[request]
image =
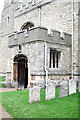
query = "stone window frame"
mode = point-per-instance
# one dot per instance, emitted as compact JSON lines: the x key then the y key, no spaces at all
{"x":60,"y":54}
{"x":26,"y":27}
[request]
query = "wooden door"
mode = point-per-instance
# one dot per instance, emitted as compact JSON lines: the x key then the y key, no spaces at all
{"x":26,"y":75}
{"x":15,"y":72}
{"x":21,"y":73}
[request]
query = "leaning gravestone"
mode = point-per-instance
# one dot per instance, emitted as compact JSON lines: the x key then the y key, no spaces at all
{"x":72,"y":87}
{"x":50,"y":91}
{"x":78,"y":86}
{"x":63,"y":89}
{"x":34,"y":94}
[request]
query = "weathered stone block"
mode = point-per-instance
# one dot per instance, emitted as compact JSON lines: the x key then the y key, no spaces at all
{"x":78,"y":86}
{"x":72,"y":87}
{"x":14,"y":84}
{"x":34,"y":94}
{"x":50,"y":91}
{"x":63,"y":89}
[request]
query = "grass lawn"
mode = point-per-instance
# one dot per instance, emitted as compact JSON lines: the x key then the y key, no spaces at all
{"x":2,"y":79}
{"x":16,"y":103}
{"x":2,"y":85}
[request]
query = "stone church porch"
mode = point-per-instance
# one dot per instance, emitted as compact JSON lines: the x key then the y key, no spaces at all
{"x":29,"y":50}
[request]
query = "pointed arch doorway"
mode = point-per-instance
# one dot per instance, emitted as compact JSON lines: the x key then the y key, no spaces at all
{"x":20,"y":70}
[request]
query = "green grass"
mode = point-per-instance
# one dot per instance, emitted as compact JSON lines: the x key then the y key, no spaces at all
{"x":2,"y":85}
{"x":16,"y":103}
{"x":2,"y":79}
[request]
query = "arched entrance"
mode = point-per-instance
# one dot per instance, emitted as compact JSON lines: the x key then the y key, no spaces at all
{"x":20,"y":70}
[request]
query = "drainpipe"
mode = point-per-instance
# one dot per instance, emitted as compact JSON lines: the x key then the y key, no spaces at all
{"x":15,"y":25}
{"x":39,"y":15}
{"x":45,"y":64}
{"x":72,"y":39}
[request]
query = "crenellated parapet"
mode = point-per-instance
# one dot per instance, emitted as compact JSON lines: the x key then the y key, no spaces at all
{"x":39,"y":34}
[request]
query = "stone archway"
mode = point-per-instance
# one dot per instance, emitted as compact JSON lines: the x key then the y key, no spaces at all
{"x":20,"y":70}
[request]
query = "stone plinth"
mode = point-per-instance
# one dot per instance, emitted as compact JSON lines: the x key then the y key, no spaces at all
{"x":63,"y":89}
{"x":72,"y":87}
{"x":50,"y":91}
{"x":34,"y":94}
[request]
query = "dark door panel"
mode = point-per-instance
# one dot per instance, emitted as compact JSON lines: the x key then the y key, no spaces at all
{"x":15,"y":72}
{"x":22,"y":74}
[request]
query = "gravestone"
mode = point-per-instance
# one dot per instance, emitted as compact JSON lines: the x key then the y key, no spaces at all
{"x":34,"y":94}
{"x":72,"y":87}
{"x":63,"y":89}
{"x":33,"y":83}
{"x":50,"y":91}
{"x":78,"y":86}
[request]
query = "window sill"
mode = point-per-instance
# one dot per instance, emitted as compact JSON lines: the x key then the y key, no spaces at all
{"x":54,"y":69}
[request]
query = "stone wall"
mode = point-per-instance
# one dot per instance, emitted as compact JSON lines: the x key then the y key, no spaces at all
{"x":60,"y":14}
{"x":52,"y":15}
{"x":7,"y":27}
{"x":76,"y":42}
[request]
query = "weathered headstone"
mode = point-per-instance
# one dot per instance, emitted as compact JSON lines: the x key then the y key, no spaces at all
{"x":72,"y":87}
{"x":50,"y":91}
{"x":34,"y":94}
{"x":33,"y":83}
{"x":63,"y":89}
{"x":78,"y":86}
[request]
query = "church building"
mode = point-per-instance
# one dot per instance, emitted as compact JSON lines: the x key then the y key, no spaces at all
{"x":36,"y":42}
